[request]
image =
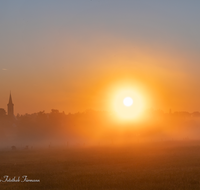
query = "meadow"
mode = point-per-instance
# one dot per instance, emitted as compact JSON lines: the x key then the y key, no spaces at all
{"x":141,"y":166}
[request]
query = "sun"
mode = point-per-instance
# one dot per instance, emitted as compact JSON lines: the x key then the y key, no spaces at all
{"x":128,"y":101}
{"x":128,"y":104}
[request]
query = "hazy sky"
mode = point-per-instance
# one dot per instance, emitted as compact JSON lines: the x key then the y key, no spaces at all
{"x":68,"y":54}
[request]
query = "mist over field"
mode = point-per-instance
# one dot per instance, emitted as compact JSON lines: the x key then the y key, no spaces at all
{"x":94,"y":128}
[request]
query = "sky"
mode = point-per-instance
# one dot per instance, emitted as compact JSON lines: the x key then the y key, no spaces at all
{"x":69,"y":55}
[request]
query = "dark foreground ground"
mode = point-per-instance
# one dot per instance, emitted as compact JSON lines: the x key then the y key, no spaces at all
{"x":155,"y":166}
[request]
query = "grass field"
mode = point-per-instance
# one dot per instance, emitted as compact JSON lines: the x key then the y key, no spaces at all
{"x":164,"y":166}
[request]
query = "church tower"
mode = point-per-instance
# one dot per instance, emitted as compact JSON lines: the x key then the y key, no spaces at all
{"x":10,"y":107}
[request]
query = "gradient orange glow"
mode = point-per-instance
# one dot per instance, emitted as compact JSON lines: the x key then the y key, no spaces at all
{"x":69,"y":68}
{"x":134,"y":111}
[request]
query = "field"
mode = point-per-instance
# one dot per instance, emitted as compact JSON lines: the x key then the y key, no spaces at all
{"x":165,"y":166}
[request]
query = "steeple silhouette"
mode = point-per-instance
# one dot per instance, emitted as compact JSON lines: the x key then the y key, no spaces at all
{"x":10,"y":107}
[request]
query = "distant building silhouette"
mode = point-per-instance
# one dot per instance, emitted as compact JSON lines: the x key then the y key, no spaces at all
{"x":10,"y":108}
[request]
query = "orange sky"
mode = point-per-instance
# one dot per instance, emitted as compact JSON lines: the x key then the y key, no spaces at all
{"x":89,"y":87}
{"x":72,"y":62}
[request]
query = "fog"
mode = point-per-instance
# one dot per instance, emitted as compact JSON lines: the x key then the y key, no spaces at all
{"x":93,"y":128}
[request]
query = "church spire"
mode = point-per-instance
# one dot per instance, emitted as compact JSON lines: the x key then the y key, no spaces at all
{"x":10,"y":99}
{"x":10,"y":107}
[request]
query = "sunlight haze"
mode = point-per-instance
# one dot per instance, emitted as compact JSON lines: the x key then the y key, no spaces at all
{"x":67,"y":54}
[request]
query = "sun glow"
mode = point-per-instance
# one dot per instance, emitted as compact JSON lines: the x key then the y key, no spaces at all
{"x":128,"y":101}
{"x":128,"y":104}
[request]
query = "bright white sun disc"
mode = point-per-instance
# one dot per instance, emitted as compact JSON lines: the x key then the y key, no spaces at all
{"x":128,"y":101}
